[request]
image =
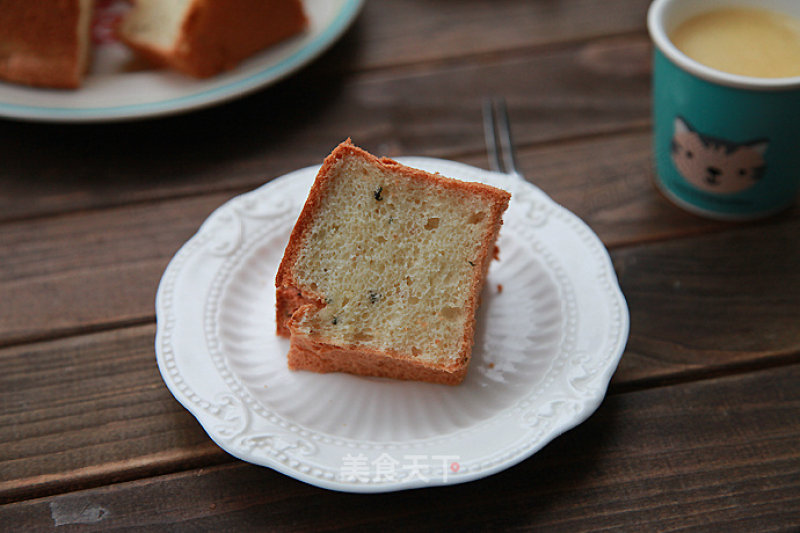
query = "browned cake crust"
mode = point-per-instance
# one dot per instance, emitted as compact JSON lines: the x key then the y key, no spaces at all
{"x":308,"y":354}
{"x":39,"y":43}
{"x":293,"y":301}
{"x":218,"y":34}
{"x":288,"y":300}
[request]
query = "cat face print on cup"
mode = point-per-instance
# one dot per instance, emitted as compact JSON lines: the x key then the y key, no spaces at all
{"x":716,"y":165}
{"x":725,"y":145}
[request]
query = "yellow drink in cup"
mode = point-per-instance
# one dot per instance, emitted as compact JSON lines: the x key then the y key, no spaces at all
{"x":746,"y":41}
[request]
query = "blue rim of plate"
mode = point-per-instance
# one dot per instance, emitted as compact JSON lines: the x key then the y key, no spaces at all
{"x":212,"y":96}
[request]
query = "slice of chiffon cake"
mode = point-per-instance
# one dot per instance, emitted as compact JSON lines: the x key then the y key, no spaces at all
{"x":384,"y":268}
{"x":202,"y":38}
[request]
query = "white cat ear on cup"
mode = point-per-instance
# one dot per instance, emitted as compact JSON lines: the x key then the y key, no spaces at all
{"x":681,"y":126}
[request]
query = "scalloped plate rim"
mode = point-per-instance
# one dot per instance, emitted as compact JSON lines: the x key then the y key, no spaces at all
{"x":589,"y":407}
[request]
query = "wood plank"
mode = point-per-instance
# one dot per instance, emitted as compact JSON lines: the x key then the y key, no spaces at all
{"x":111,"y":260}
{"x":701,"y":305}
{"x":583,"y":89}
{"x":91,"y":270}
{"x":389,"y":33}
{"x":85,"y":411}
{"x":719,"y":454}
{"x":686,"y":323}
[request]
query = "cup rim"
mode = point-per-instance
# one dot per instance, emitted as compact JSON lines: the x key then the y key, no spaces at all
{"x":655,"y":26}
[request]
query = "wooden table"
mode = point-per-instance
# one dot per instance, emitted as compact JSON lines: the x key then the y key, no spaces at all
{"x":701,"y":425}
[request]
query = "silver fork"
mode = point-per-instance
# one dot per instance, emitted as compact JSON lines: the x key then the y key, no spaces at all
{"x":497,"y":131}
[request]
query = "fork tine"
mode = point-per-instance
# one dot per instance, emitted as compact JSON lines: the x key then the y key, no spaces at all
{"x":497,"y":132}
{"x":504,"y":132}
{"x":490,"y":135}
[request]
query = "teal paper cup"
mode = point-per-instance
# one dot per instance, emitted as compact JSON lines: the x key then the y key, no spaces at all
{"x":726,"y":146}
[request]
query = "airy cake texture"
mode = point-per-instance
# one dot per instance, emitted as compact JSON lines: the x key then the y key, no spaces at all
{"x":45,"y":43}
{"x":204,"y":37}
{"x":383,"y":270}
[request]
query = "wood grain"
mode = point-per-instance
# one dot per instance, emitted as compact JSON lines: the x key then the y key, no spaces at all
{"x":687,"y":323}
{"x":699,"y":305}
{"x":83,"y":411}
{"x":577,"y":90}
{"x":410,"y":32}
{"x":90,"y":271}
{"x":722,"y":453}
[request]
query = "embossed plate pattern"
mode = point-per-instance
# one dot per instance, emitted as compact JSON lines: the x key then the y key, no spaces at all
{"x":551,"y":328}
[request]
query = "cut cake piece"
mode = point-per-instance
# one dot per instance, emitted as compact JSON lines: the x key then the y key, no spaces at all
{"x":384,"y":267}
{"x":45,"y":44}
{"x":204,"y":37}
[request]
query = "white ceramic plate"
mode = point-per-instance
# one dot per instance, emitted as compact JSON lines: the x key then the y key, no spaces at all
{"x":113,"y":92}
{"x":551,"y":328}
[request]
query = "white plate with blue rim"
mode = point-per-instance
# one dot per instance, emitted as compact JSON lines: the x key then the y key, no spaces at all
{"x":551,"y":328}
{"x":114,"y":91}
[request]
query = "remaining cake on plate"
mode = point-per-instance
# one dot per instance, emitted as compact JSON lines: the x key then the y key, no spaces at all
{"x":204,"y":37}
{"x":48,"y":44}
{"x":384,"y":267}
{"x":45,"y":44}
